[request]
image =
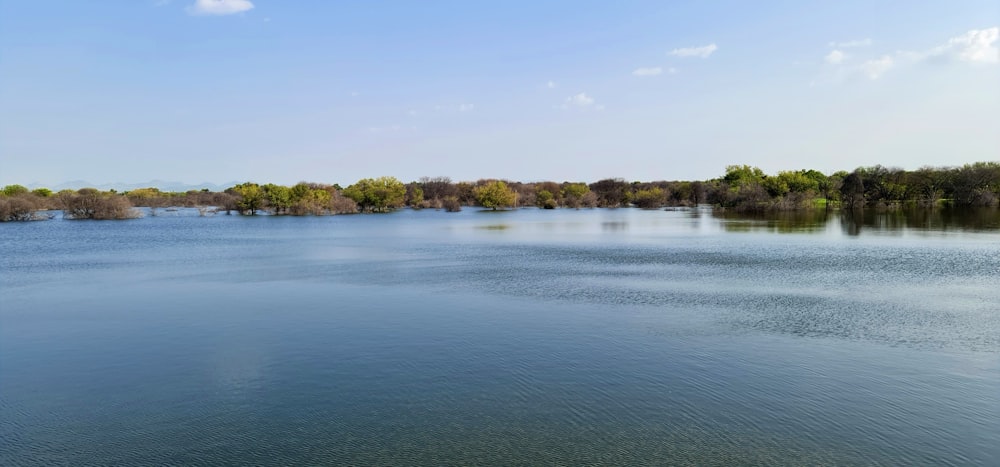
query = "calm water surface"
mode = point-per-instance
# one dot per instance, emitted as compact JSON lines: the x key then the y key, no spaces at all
{"x":529,"y":337}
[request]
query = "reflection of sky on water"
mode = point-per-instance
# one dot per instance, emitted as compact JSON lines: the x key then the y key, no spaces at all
{"x":238,"y":364}
{"x":593,"y":336}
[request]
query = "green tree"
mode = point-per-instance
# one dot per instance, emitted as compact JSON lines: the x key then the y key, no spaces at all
{"x":822,"y":182}
{"x":495,"y":194}
{"x":775,"y":186}
{"x":414,"y":195}
{"x":545,"y":200}
{"x":251,"y":197}
{"x":314,"y":201}
{"x":300,"y":191}
{"x":14,"y":190}
{"x":740,"y":175}
{"x":377,"y":194}
{"x":575,"y":189}
{"x":278,"y":197}
{"x":800,"y":181}
{"x":652,"y":197}
{"x":574,"y":193}
{"x":319,"y":197}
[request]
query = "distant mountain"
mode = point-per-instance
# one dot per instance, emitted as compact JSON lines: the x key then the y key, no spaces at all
{"x":161,"y":184}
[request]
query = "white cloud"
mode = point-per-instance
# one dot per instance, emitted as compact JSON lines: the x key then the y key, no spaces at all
{"x":219,"y":7}
{"x":451,"y":108}
{"x":551,"y":85}
{"x":875,"y":68}
{"x":835,"y":57}
{"x":580,"y":100}
{"x":851,"y":44}
{"x":977,"y":45}
{"x":702,"y":52}
{"x":672,"y":71}
{"x":647,"y":71}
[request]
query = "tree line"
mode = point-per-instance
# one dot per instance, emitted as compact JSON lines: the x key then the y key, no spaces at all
{"x":741,"y":188}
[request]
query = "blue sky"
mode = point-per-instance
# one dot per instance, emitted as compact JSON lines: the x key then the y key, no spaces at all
{"x":333,"y":91}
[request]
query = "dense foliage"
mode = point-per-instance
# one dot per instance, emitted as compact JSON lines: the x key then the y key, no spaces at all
{"x":741,"y":188}
{"x":377,"y":194}
{"x":495,"y":194}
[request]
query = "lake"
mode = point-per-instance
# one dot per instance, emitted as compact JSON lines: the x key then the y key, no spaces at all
{"x":568,"y":337}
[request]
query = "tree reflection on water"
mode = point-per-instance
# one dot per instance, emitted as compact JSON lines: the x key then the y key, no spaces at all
{"x":854,"y":222}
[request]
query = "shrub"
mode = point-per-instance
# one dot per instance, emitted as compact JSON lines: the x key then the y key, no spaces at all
{"x":88,"y":203}
{"x":451,"y":204}
{"x":20,"y":208}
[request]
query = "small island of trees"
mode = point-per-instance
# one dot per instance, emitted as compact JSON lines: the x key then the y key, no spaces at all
{"x":742,"y":188}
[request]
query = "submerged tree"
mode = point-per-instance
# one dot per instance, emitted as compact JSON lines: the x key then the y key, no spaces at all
{"x":19,"y":204}
{"x":414,"y":195}
{"x":976,"y":184}
{"x":545,"y":200}
{"x":377,"y":194}
{"x":852,"y":190}
{"x":89,"y":203}
{"x":251,"y":197}
{"x":495,"y":194}
{"x":652,"y":197}
{"x":279,"y":198}
{"x":21,"y":207}
{"x":611,"y":192}
{"x":576,"y":194}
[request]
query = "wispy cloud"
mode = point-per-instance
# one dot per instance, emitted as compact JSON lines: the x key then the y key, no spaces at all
{"x":873,"y":69}
{"x":977,"y":45}
{"x":651,"y":71}
{"x":219,"y":7}
{"x":835,"y":57}
{"x":701,"y":52}
{"x":581,"y":101}
{"x":551,"y":84}
{"x":850,"y":44}
{"x":455,"y":108}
